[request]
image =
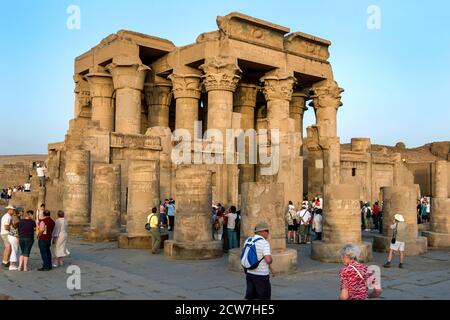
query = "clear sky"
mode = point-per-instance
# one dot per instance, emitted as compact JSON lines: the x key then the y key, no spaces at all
{"x":397,"y":78}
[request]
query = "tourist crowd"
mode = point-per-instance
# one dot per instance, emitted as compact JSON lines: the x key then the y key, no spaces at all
{"x":304,"y":223}
{"x":20,"y":228}
{"x":7,"y":193}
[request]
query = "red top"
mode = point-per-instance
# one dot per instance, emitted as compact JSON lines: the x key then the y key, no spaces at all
{"x":47,"y":224}
{"x":353,"y":282}
{"x":376,"y":209}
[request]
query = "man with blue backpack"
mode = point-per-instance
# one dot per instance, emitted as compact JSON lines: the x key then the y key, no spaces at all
{"x":256,"y":259}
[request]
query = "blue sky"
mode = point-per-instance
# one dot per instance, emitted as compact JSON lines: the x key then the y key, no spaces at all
{"x":397,"y":79}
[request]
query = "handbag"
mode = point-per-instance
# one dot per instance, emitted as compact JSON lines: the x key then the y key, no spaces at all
{"x":376,"y":292}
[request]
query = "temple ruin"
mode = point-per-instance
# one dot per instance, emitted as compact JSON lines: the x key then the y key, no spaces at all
{"x":132,"y":91}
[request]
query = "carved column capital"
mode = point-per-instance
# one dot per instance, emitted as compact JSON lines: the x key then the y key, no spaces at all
{"x":127,"y":75}
{"x":158,"y":94}
{"x":221,"y":73}
{"x":82,"y":90}
{"x":100,"y":83}
{"x":278,"y":87}
{"x":298,"y":102}
{"x":245,"y":95}
{"x":326,"y":94}
{"x":186,"y":85}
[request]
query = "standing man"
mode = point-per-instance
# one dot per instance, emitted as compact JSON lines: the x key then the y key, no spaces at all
{"x":46,"y":227}
{"x":400,"y":229}
{"x":5,"y":228}
{"x":376,"y":210}
{"x":41,"y":175}
{"x":304,"y":216}
{"x":152,"y":220}
{"x":317,"y":224}
{"x":258,"y":280}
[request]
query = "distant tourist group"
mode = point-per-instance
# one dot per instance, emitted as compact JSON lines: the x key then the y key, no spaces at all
{"x":19,"y":229}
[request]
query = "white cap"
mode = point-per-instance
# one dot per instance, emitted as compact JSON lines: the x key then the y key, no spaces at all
{"x":399,"y":217}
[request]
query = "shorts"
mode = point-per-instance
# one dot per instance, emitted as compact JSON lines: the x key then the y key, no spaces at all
{"x":398,"y":246}
{"x":5,"y":240}
{"x":292,"y":227}
{"x":25,"y":246}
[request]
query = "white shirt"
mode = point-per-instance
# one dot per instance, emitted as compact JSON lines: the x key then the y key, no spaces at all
{"x":231,"y":220}
{"x":6,"y":221}
{"x":318,"y":222}
{"x":40,"y":172}
{"x":304,"y":216}
{"x":262,"y":250}
{"x":27,"y":186}
{"x":291,"y":209}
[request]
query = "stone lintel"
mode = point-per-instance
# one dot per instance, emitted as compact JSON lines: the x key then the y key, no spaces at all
{"x":306,"y":45}
{"x":245,"y":28}
{"x":135,"y":141}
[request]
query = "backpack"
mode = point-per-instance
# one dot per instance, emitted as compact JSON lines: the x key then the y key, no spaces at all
{"x":237,"y":223}
{"x":216,"y":225}
{"x":249,"y":256}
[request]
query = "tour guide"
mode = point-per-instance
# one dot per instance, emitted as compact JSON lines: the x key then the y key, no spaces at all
{"x":258,"y":280}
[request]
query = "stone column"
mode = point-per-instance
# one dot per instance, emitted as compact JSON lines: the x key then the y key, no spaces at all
{"x":400,"y":199}
{"x":82,"y":94}
{"x":439,"y":234}
{"x":76,"y":190}
{"x":193,"y":229}
{"x":326,"y":101}
{"x":244,"y":103}
{"x":278,"y":88}
{"x":297,"y":109}
{"x":263,"y":202}
{"x":105,"y":213}
{"x":222,"y":75}
{"x":158,"y":97}
{"x":186,"y":91}
{"x":341,"y":224}
{"x":338,"y":229}
{"x":101,"y":91}
{"x":143,"y":195}
{"x":128,"y":76}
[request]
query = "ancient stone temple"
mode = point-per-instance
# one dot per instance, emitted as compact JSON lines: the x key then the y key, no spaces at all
{"x":140,"y":100}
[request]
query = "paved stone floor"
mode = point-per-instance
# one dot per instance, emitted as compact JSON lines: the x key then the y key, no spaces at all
{"x":111,"y":273}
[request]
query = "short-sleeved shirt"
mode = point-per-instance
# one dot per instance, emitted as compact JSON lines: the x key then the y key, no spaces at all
{"x":304,"y":216}
{"x":262,"y":250}
{"x":152,"y":219}
{"x":353,"y":282}
{"x":171,"y":209}
{"x":26,"y":228}
{"x":40,"y":172}
{"x":6,"y":221}
{"x":318,"y":222}
{"x":231,"y":220}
